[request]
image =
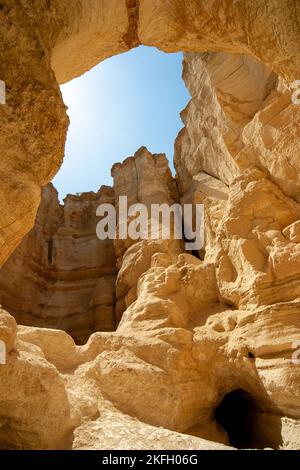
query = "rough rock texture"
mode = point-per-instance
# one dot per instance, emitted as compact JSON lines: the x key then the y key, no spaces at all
{"x":65,"y":38}
{"x":241,"y":116}
{"x":70,"y":275}
{"x":61,"y":275}
{"x":144,"y":179}
{"x":8,"y":329}
{"x":199,"y":337}
{"x":87,"y":31}
{"x":33,"y":121}
{"x":121,"y":432}
{"x":192,"y":332}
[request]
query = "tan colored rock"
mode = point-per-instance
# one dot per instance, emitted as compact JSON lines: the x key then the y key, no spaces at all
{"x":136,"y":261}
{"x":57,"y":346}
{"x":91,"y":31}
{"x":188,"y":25}
{"x":33,"y":121}
{"x":238,"y":118}
{"x":145,"y":179}
{"x":121,"y":432}
{"x":172,"y":297}
{"x":35,"y":413}
{"x":250,"y":248}
{"x":204,"y":346}
{"x":8,"y":330}
{"x":62,"y":275}
{"x":85,"y":33}
{"x":254,"y":355}
{"x":73,"y":36}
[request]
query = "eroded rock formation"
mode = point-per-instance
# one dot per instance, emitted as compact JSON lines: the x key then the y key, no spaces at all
{"x":45,"y":43}
{"x":61,"y":275}
{"x":143,"y":179}
{"x":199,"y":336}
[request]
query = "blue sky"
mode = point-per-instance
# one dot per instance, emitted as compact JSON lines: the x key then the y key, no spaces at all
{"x":130,"y":100}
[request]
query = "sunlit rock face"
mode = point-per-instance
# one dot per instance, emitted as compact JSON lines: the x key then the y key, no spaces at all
{"x":198,"y":337}
{"x":144,"y":179}
{"x":57,"y":41}
{"x":62,"y":276}
{"x":241,"y":116}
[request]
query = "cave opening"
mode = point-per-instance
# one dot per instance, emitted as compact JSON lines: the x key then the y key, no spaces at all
{"x":239,"y":417}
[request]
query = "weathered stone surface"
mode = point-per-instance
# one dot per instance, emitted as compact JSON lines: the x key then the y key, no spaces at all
{"x":8,"y":330}
{"x":245,"y":27}
{"x":35,"y":413}
{"x":86,"y":32}
{"x":121,"y":432}
{"x":145,"y":179}
{"x":33,"y":121}
{"x":62,"y":275}
{"x":73,"y":36}
{"x":89,"y":32}
{"x":240,"y":117}
{"x":199,"y":336}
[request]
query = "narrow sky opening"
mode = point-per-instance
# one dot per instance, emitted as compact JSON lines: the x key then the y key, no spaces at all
{"x":127,"y":101}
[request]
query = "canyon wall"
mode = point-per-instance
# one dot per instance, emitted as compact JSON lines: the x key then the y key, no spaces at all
{"x":195,"y":331}
{"x":199,"y":335}
{"x":144,"y":179}
{"x":45,"y":43}
{"x":61,"y":276}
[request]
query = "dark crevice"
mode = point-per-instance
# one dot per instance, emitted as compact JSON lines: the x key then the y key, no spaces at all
{"x":131,"y":38}
{"x":50,"y":251}
{"x":200,"y":254}
{"x":247,"y":427}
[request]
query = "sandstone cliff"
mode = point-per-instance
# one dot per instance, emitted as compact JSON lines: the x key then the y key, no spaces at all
{"x":144,"y":179}
{"x":61,"y":275}
{"x":200,"y":335}
{"x":45,"y":43}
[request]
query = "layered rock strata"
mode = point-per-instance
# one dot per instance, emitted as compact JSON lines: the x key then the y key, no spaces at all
{"x":45,"y":43}
{"x":144,"y":179}
{"x":198,"y":339}
{"x":62,"y":276}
